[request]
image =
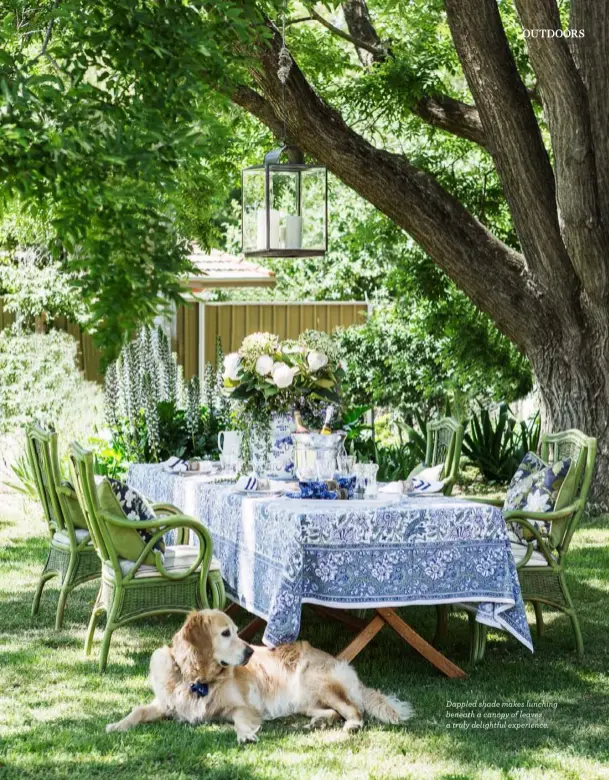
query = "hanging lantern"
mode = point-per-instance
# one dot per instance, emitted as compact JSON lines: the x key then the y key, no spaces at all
{"x":285,"y":207}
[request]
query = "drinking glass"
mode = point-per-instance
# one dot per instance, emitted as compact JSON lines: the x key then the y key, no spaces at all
{"x":230,"y":463}
{"x":325,"y":465}
{"x":365,"y":480}
{"x":346,"y":464}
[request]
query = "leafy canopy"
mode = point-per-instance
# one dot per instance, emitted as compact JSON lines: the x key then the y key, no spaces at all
{"x":103,"y":107}
{"x":116,"y":131}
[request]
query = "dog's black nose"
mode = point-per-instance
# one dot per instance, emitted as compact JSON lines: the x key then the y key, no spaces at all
{"x":249,"y":652}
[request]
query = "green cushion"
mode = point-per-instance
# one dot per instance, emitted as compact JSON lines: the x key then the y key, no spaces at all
{"x":127,"y":542}
{"x":76,"y":514}
{"x":566,"y":494}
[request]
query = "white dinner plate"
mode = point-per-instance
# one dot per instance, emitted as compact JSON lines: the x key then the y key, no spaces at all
{"x":195,"y":473}
{"x":259,"y":493}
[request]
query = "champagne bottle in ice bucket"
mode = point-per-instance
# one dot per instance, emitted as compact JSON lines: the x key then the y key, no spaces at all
{"x":300,"y":426}
{"x":326,"y":430}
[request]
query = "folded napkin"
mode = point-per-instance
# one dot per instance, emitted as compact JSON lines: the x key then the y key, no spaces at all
{"x":252,"y":482}
{"x":175,"y":464}
{"x":249,"y":482}
{"x":423,"y":486}
{"x":392,"y":487}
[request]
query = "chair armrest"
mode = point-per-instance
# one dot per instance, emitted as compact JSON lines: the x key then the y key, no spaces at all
{"x":65,"y":491}
{"x":542,"y":541}
{"x":156,"y":522}
{"x":517,"y":514}
{"x":165,"y":509}
{"x":162,"y":525}
{"x":498,"y":502}
{"x":169,"y":510}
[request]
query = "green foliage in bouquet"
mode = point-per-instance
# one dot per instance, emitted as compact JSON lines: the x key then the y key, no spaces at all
{"x":153,"y":413}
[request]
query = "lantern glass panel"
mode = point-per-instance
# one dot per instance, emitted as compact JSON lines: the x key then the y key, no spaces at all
{"x":254,"y":210}
{"x":284,"y":216}
{"x":313,"y":208}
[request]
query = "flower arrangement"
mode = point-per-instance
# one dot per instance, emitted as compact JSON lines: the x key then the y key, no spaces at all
{"x":268,"y":375}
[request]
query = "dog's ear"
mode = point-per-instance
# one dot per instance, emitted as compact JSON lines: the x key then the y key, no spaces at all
{"x":193,"y":649}
{"x":196,"y":631}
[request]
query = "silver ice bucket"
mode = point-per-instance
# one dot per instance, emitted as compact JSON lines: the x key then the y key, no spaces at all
{"x":315,"y":454}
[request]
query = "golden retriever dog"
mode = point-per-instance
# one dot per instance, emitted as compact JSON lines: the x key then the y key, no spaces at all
{"x":209,"y":673}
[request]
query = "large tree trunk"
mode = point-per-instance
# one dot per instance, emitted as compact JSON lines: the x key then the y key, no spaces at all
{"x":573,"y":386}
{"x":552,"y":300}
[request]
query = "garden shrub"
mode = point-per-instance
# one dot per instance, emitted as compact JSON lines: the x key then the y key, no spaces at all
{"x":40,"y":380}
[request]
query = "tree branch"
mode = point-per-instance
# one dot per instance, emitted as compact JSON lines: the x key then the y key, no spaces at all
{"x":566,"y":108}
{"x":454,"y":239}
{"x":515,"y":140}
{"x":591,"y":53}
{"x":49,"y":32}
{"x":299,"y":20}
{"x":441,"y":111}
{"x":452,"y":115}
{"x":360,"y":26}
{"x":255,"y":104}
{"x":359,"y":44}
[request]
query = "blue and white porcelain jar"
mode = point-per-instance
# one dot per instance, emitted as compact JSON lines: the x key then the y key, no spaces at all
{"x":275,"y":459}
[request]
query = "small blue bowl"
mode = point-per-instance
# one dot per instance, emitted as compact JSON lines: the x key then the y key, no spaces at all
{"x":348,"y":484}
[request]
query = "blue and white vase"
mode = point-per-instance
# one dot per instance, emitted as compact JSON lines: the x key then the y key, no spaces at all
{"x":275,"y":459}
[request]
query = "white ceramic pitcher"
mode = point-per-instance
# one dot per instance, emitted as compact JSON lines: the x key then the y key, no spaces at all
{"x":229,"y":443}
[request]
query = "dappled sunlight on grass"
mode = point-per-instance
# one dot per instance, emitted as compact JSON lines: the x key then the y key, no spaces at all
{"x":54,"y":705}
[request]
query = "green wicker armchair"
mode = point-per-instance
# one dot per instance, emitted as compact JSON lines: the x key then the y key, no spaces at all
{"x":71,"y":555}
{"x":444,"y":440}
{"x":541,"y":570}
{"x":182,"y":579}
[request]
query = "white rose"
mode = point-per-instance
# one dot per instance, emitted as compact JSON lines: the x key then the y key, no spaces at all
{"x":343,"y":365}
{"x":231,"y":366}
{"x":316,"y":360}
{"x":283,"y":375}
{"x":264,"y":365}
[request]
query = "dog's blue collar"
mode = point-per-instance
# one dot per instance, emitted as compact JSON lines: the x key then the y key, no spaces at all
{"x":199,"y":689}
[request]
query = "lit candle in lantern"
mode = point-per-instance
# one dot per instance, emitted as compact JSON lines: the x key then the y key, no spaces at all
{"x":293,"y":239}
{"x":261,"y":229}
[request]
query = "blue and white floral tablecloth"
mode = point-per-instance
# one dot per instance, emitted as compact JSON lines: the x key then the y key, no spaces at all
{"x":277,"y":554}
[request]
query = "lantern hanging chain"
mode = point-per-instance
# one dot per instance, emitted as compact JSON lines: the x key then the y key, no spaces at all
{"x":283,"y":72}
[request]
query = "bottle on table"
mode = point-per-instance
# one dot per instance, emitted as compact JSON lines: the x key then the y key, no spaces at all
{"x":326,"y":429}
{"x":300,"y":426}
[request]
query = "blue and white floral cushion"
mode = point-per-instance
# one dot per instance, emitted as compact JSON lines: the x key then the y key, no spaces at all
{"x":135,"y":507}
{"x":535,"y":488}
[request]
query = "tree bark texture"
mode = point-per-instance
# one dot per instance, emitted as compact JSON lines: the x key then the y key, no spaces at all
{"x":551,"y":299}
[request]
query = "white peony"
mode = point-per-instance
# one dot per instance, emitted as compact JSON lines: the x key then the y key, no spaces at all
{"x":283,"y":375}
{"x":264,"y":365}
{"x":316,"y":360}
{"x":231,"y":366}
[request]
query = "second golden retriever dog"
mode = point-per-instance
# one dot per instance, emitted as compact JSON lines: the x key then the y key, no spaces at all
{"x":209,"y":673}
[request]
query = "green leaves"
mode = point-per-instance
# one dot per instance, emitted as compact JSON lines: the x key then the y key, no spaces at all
{"x":96,"y":123}
{"x":498,"y":445}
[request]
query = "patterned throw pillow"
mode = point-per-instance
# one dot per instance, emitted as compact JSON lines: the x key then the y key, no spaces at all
{"x":535,"y":487}
{"x":135,"y":507}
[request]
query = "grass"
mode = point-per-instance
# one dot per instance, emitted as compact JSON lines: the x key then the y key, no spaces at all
{"x":54,"y":704}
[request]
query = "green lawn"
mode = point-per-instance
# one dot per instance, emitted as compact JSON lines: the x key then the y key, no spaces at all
{"x":54,"y":704}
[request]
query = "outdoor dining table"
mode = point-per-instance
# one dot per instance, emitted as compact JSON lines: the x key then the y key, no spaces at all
{"x":278,"y":553}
